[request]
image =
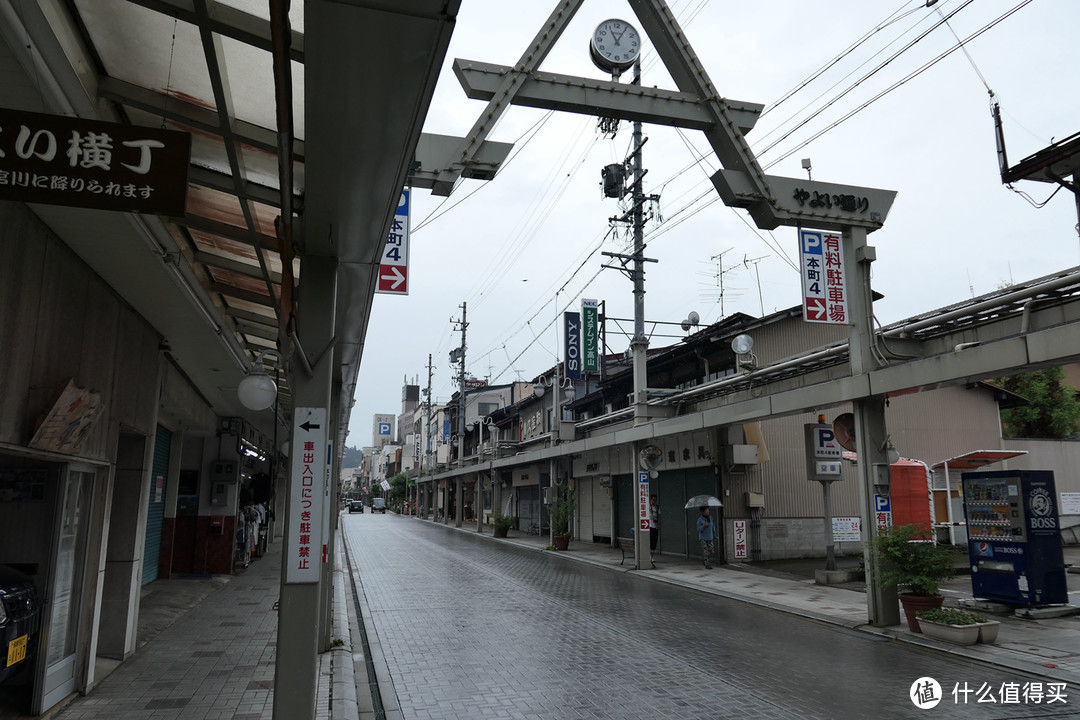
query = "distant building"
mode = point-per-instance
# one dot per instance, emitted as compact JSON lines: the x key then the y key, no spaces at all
{"x":382,"y":430}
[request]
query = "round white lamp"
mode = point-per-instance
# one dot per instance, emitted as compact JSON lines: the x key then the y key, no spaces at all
{"x":742,"y":344}
{"x":257,"y":391}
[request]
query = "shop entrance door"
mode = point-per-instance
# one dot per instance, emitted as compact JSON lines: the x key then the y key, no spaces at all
{"x":64,"y":591}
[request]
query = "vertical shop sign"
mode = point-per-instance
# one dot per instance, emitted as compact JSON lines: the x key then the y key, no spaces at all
{"x":590,"y":336}
{"x":572,"y":351}
{"x":739,"y":536}
{"x":824,"y":283}
{"x":306,"y":493}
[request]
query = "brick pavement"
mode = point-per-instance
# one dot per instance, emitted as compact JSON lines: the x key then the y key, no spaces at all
{"x":216,"y":662}
{"x":472,"y":627}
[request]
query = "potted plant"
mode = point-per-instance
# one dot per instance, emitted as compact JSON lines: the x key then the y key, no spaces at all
{"x":561,"y":514}
{"x":502,"y":524}
{"x":958,"y":626}
{"x":913,"y":562}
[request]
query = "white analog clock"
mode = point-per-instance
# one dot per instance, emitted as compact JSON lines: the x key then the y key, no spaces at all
{"x":615,"y":45}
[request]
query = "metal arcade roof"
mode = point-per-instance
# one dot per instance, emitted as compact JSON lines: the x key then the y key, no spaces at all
{"x":976,"y":459}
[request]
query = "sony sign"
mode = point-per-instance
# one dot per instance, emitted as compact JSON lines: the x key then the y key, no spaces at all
{"x":572,"y":356}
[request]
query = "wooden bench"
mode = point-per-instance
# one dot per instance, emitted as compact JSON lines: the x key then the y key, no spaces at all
{"x":626,"y":545}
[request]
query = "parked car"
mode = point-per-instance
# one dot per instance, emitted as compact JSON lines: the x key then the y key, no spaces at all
{"x":378,"y":505}
{"x":19,"y":621}
{"x":356,"y":506}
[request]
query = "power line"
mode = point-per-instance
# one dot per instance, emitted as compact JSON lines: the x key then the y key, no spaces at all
{"x":899,"y":83}
{"x":878,"y":68}
{"x":843,"y":54}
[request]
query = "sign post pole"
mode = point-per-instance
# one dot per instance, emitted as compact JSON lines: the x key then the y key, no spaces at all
{"x":830,"y":545}
{"x":299,"y":636}
{"x":823,"y":465}
{"x":883,"y":607}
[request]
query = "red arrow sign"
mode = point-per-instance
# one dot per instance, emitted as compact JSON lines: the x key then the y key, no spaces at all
{"x":393,"y":279}
{"x":815,"y":309}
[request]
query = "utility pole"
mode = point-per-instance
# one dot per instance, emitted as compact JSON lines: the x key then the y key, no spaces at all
{"x":459,"y":500}
{"x":639,"y":344}
{"x":427,"y":435}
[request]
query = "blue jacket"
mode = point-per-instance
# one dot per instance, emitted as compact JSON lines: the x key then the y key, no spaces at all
{"x":705,"y":528}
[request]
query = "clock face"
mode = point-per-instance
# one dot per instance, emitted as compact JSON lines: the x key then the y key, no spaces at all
{"x":615,"y":44}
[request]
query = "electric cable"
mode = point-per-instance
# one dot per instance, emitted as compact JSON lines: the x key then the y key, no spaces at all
{"x":843,"y":54}
{"x":517,"y":150}
{"x":899,"y":83}
{"x":878,"y":68}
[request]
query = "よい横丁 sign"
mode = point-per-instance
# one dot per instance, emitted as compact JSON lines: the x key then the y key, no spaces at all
{"x":60,"y":160}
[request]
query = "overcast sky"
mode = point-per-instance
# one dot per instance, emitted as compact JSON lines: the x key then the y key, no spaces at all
{"x":507,"y":247}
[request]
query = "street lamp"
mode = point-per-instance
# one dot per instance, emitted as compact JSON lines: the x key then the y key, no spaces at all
{"x":744,"y":345}
{"x":258,"y":391}
{"x":486,"y":422}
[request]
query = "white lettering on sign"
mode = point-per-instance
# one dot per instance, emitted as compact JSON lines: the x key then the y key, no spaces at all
{"x":572,"y":359}
{"x":394,"y":265}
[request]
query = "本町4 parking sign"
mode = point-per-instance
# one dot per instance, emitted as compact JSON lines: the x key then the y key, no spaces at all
{"x":394,"y":266}
{"x":823,"y":282}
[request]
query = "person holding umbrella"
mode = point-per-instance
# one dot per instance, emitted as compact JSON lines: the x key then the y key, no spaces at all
{"x":706,"y":535}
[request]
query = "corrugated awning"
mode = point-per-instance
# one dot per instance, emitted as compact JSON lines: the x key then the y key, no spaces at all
{"x":976,"y":459}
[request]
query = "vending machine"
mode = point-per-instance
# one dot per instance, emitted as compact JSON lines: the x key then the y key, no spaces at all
{"x":1014,"y":537}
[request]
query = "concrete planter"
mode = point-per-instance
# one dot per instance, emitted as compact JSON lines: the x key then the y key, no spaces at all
{"x":959,"y":634}
{"x":988,"y":631}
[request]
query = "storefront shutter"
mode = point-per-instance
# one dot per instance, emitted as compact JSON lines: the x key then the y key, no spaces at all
{"x":155,"y":516}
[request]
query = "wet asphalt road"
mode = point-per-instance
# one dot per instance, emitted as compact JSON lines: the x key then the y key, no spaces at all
{"x":473,"y":628}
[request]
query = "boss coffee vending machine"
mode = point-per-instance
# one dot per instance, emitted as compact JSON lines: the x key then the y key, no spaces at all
{"x":1014,"y":538}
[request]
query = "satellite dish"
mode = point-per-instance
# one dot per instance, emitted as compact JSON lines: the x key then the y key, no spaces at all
{"x":650,"y":457}
{"x":742,"y":344}
{"x":844,"y":430}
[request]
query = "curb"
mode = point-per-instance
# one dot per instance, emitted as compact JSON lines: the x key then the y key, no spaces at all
{"x":343,"y":702}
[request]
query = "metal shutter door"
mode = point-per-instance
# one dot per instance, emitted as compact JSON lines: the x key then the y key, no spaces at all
{"x":601,"y":510}
{"x":585,"y":509}
{"x":155,"y":516}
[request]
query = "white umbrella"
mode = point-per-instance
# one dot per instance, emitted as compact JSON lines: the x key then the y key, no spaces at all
{"x":703,"y":501}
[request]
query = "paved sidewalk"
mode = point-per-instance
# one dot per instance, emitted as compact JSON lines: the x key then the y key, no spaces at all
{"x":1048,"y":647}
{"x":206,"y":651}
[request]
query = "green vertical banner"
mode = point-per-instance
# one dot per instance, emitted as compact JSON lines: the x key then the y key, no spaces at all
{"x":590,"y":336}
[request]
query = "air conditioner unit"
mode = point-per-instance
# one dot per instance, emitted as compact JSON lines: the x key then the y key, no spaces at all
{"x":741,"y":454}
